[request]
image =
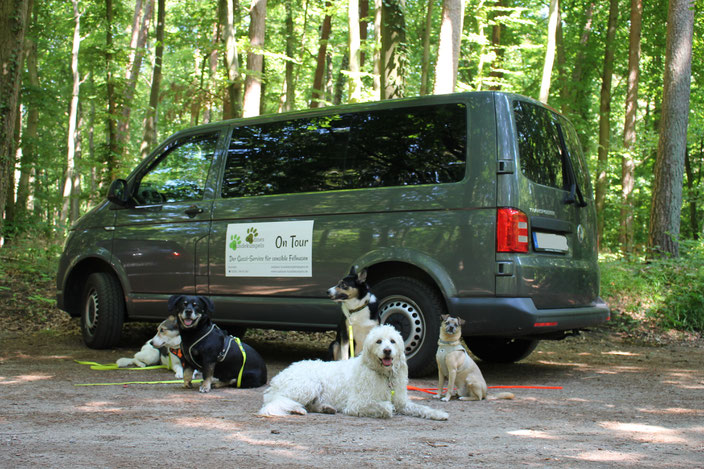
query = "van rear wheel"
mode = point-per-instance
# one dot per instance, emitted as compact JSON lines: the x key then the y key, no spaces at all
{"x":414,"y":309}
{"x":102,"y":311}
{"x":500,"y":350}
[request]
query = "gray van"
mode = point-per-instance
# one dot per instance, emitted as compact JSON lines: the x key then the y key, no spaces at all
{"x":473,"y":204}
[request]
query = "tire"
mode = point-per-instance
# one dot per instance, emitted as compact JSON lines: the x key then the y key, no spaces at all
{"x":500,"y":350}
{"x":102,"y":311}
{"x":414,"y":309}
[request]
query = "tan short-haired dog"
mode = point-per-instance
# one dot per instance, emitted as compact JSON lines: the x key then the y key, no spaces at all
{"x":455,"y":364}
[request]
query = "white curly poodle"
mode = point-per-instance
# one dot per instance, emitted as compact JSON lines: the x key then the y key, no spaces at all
{"x":372,"y":384}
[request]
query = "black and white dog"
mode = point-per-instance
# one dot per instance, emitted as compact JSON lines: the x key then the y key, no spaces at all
{"x":360,"y":314}
{"x":211,"y":350}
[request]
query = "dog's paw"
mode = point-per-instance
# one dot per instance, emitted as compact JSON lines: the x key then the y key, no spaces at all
{"x":446,"y":398}
{"x":204,"y":389}
{"x":123,"y":362}
{"x":439,"y":415}
{"x":178,"y":374}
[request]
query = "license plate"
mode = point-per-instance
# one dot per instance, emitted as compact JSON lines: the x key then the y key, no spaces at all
{"x":550,"y":242}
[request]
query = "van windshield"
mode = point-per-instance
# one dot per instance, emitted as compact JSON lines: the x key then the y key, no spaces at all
{"x":382,"y":148}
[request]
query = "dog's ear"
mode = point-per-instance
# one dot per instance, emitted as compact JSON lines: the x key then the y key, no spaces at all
{"x":462,"y":321}
{"x":444,"y":317}
{"x":207,"y":304}
{"x":353,"y":270}
{"x":173,"y":301}
{"x":362,"y":276}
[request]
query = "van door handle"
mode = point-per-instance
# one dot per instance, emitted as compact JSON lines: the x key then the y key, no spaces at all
{"x":193,"y":210}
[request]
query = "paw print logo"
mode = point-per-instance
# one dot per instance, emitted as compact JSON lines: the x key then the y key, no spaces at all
{"x":251,"y":233}
{"x":234,"y":242}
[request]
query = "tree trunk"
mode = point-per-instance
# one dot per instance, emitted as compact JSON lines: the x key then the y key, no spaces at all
{"x":604,"y":120}
{"x":449,"y":46}
{"x":255,"y":60}
{"x":150,"y":121}
{"x":425,"y":63}
{"x":377,"y":48}
{"x":140,"y":32}
{"x":111,"y":159}
{"x":497,"y":28}
{"x":13,"y":24}
{"x":234,"y":80}
{"x":71,"y":174}
{"x":629,"y":129}
{"x":692,"y":186}
{"x":549,"y":52}
{"x":672,"y":144}
{"x":393,"y":54}
{"x":289,"y":103}
{"x":576,"y":92}
{"x":29,"y":139}
{"x":318,"y":96}
{"x":355,"y":79}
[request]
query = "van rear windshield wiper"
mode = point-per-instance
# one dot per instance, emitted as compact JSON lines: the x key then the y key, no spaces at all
{"x":575,"y":192}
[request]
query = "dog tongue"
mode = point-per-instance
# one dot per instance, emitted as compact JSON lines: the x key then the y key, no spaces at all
{"x":386,"y":361}
{"x":188,"y":322}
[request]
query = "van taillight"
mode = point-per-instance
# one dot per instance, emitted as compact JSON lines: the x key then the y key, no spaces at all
{"x":511,"y":230}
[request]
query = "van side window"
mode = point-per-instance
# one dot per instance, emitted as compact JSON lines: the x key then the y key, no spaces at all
{"x":179,"y":173}
{"x":395,"y":147}
{"x":539,"y":145}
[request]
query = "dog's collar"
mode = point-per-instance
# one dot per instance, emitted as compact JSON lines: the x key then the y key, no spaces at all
{"x":445,"y":342}
{"x":352,"y":311}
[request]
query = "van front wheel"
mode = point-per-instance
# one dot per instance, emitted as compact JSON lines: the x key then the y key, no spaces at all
{"x":414,"y":309}
{"x":102,"y":311}
{"x":500,"y":350}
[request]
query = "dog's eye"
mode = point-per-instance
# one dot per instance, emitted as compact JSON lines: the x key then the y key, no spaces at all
{"x":378,"y":341}
{"x":393,"y":341}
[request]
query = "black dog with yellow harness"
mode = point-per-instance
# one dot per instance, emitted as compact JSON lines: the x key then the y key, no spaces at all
{"x":211,"y":350}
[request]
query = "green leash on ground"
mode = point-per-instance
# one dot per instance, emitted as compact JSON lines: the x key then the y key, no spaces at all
{"x":113,"y":366}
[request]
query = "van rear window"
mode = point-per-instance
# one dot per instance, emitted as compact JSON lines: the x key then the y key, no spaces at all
{"x":539,"y":145}
{"x":394,"y":147}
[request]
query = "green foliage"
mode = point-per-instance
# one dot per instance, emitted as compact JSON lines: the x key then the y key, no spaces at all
{"x":667,"y":291}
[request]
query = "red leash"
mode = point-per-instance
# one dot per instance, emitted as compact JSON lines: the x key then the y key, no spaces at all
{"x":432,"y":390}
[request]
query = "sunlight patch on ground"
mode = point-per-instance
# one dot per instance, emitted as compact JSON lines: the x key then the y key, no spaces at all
{"x":673,"y":411}
{"x":24,"y":378}
{"x":609,"y":457}
{"x":621,"y":353}
{"x":576,"y":365}
{"x":208,"y":424}
{"x":533,"y":434}
{"x":646,"y":433}
{"x":99,"y":407}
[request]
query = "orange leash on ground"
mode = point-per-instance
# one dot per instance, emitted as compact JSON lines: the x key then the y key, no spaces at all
{"x":434,"y":390}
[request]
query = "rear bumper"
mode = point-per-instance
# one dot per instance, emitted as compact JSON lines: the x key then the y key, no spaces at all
{"x":518,"y":317}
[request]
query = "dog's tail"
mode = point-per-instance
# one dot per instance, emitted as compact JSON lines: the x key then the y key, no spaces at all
{"x":279,"y":406}
{"x":501,"y":395}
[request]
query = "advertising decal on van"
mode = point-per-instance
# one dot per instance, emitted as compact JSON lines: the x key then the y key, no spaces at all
{"x":276,"y":249}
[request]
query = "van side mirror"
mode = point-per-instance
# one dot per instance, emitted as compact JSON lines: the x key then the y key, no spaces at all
{"x":117,"y":193}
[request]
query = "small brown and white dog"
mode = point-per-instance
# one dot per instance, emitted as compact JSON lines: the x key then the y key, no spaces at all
{"x":163,"y":348}
{"x":455,"y":364}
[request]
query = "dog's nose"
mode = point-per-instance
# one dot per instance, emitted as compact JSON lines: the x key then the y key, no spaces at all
{"x":387,"y":351}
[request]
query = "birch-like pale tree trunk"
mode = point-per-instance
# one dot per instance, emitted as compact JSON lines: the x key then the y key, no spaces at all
{"x":549,"y":52}
{"x":71,"y":175}
{"x":255,"y":60}
{"x":449,"y":46}
{"x":355,"y":79}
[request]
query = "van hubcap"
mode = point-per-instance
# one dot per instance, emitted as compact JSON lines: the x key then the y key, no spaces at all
{"x":402,"y":313}
{"x":90,"y":312}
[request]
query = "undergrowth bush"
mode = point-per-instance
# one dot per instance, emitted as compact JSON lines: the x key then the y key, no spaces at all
{"x":669,"y":291}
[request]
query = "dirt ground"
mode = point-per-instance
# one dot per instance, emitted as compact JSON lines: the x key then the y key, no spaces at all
{"x":620,"y":405}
